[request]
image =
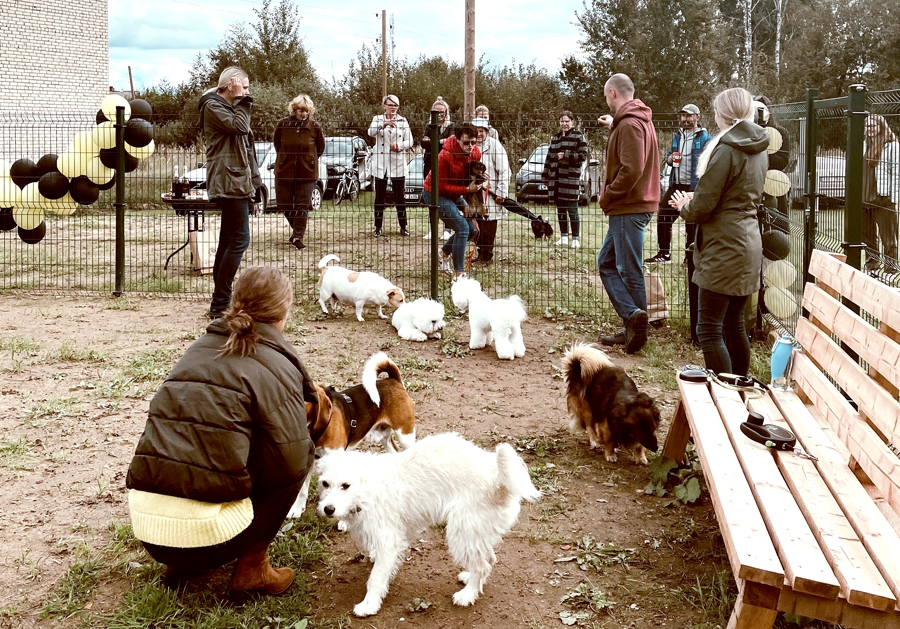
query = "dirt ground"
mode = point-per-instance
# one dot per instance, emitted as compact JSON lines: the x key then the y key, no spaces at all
{"x":73,"y":400}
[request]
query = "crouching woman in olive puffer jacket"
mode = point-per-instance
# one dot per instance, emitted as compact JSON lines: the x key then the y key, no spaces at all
{"x":226,"y":447}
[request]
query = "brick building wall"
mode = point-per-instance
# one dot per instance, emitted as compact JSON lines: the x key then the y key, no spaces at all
{"x":54,"y":60}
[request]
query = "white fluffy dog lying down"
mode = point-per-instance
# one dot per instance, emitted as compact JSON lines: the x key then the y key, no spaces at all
{"x":339,"y":284}
{"x":491,"y":320}
{"x":419,"y":320}
{"x":387,"y":500}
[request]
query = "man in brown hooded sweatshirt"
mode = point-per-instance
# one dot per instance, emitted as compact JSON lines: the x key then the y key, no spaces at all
{"x":629,"y":197}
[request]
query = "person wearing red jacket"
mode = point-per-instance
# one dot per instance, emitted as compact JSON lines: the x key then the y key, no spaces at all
{"x":453,"y":182}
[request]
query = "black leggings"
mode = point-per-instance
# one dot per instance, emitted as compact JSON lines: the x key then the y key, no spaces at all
{"x":398,"y":187}
{"x":720,"y":327}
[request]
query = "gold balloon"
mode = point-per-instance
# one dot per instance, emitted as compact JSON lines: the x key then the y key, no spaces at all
{"x":777,"y":183}
{"x":29,"y":212}
{"x":775,"y":140}
{"x":141,"y":152}
{"x":104,"y":135}
{"x":72,"y":163}
{"x":65,"y":206}
{"x":109,"y":104}
{"x":780,"y":302}
{"x":781,"y":274}
{"x":97,"y":172}
{"x":9,"y":193}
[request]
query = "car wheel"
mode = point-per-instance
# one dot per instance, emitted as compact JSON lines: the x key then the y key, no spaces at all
{"x":315,"y":198}
{"x":353,"y":192}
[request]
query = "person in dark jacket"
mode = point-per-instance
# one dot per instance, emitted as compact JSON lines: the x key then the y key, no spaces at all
{"x":299,"y":143}
{"x":728,"y":247}
{"x":453,"y":182}
{"x":226,"y":447}
{"x":562,"y":175}
{"x":629,"y":197}
{"x":232,"y":175}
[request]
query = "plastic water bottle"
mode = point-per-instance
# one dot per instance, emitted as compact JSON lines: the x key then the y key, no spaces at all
{"x":782,"y":362}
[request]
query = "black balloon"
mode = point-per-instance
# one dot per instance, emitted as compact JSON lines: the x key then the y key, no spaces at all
{"x":140,"y":109}
{"x":7,"y":222}
{"x":108,"y":185}
{"x":138,"y":132}
{"x":33,"y":236}
{"x":47,"y":164}
{"x":101,"y":117}
{"x":83,"y":190}
{"x":23,"y":172}
{"x":776,"y":244}
{"x":53,"y":186}
{"x":108,"y":159}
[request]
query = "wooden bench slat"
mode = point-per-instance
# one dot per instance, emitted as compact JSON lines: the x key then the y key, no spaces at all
{"x":860,"y":579}
{"x":805,"y":566}
{"x":875,"y":531}
{"x":750,"y":550}
{"x":869,"y":342}
{"x":879,"y":463}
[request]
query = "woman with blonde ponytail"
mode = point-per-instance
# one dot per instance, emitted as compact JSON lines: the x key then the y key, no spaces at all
{"x":226,"y":447}
{"x":727,"y":248}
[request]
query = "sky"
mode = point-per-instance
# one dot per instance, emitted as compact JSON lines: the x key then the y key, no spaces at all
{"x":160,"y":39}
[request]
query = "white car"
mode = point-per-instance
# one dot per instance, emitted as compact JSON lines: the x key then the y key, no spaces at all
{"x":265,"y":160}
{"x":831,"y":173}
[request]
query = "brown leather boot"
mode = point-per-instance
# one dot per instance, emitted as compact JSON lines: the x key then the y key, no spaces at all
{"x":253,"y":573}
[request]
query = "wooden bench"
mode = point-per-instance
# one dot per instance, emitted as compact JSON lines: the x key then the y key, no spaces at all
{"x":814,"y":538}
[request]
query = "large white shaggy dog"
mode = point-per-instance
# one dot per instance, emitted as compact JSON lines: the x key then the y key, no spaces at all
{"x":419,"y":320}
{"x":497,"y":321}
{"x":387,"y":500}
{"x":339,"y":284}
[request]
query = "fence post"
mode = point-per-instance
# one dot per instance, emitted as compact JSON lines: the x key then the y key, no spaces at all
{"x":120,"y":201}
{"x":434,"y":134}
{"x":853,"y":177}
{"x":810,"y":181}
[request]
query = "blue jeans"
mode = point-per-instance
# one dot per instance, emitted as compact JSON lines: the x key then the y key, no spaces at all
{"x":234,"y":238}
{"x":620,"y":266}
{"x":720,"y":328}
{"x":449,"y":212}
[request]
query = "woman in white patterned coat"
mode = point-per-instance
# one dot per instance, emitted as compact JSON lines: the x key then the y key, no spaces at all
{"x":392,"y":139}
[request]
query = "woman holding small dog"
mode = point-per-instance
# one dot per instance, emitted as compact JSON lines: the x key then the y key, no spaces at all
{"x":562,"y":175}
{"x":727,"y":247}
{"x":453,"y":182}
{"x":226,"y":447}
{"x":299,"y":143}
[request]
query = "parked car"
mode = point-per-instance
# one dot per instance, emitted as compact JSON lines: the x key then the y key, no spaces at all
{"x":529,"y":186}
{"x":346,"y":152}
{"x":265,"y":160}
{"x":415,"y":183}
{"x":831,"y":173}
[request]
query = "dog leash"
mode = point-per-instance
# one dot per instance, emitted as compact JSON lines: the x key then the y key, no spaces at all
{"x":772,"y":436}
{"x":745,"y":384}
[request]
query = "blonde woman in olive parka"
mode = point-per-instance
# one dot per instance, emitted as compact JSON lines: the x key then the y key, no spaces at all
{"x":728,"y":248}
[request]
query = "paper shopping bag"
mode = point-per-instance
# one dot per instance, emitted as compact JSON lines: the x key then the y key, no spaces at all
{"x":203,"y":249}
{"x":657,"y":310}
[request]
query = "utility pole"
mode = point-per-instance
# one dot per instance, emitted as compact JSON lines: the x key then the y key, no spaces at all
{"x":383,"y":54}
{"x":469,"y":87}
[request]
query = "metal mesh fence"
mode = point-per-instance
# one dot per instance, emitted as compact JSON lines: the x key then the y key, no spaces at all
{"x":77,"y":254}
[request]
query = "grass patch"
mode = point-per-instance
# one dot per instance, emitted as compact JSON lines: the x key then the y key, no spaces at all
{"x":52,"y":408}
{"x":416,"y":365}
{"x":19,"y":345}
{"x":122,"y":303}
{"x":74,"y":590}
{"x":712,"y":595}
{"x":591,"y":555}
{"x":15,"y":453}
{"x":68,"y":352}
{"x":151,"y":367}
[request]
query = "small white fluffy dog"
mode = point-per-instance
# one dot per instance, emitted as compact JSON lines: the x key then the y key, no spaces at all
{"x":339,"y":284}
{"x":387,"y":500}
{"x":419,"y":320}
{"x":497,"y":321}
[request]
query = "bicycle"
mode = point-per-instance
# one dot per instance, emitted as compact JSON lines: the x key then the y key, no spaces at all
{"x":347,"y":186}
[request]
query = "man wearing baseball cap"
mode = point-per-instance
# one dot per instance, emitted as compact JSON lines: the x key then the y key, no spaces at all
{"x":392,"y":138}
{"x":682,"y":158}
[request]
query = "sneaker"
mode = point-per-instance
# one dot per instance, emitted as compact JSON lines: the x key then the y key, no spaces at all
{"x":660,"y":258}
{"x":377,"y":232}
{"x":619,"y":338}
{"x":575,"y":243}
{"x":404,"y":231}
{"x":562,"y":242}
{"x":427,"y":236}
{"x":212,"y":315}
{"x":298,"y":242}
{"x":447,"y":234}
{"x":445,"y":264}
{"x":636,"y":332}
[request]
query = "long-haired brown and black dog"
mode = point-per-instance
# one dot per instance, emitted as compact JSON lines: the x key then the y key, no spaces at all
{"x":604,"y":402}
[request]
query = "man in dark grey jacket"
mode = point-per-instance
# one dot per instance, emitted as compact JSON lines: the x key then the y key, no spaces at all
{"x":232,"y":175}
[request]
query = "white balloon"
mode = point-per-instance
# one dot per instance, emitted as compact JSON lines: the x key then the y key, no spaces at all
{"x":141,"y":152}
{"x":109,"y":105}
{"x":29,"y":211}
{"x":83,"y":143}
{"x":97,"y":172}
{"x":104,"y":135}
{"x":780,"y":273}
{"x":780,"y":302}
{"x":775,"y":140}
{"x":65,"y":206}
{"x":72,"y":163}
{"x":9,"y":193}
{"x":777,"y":183}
